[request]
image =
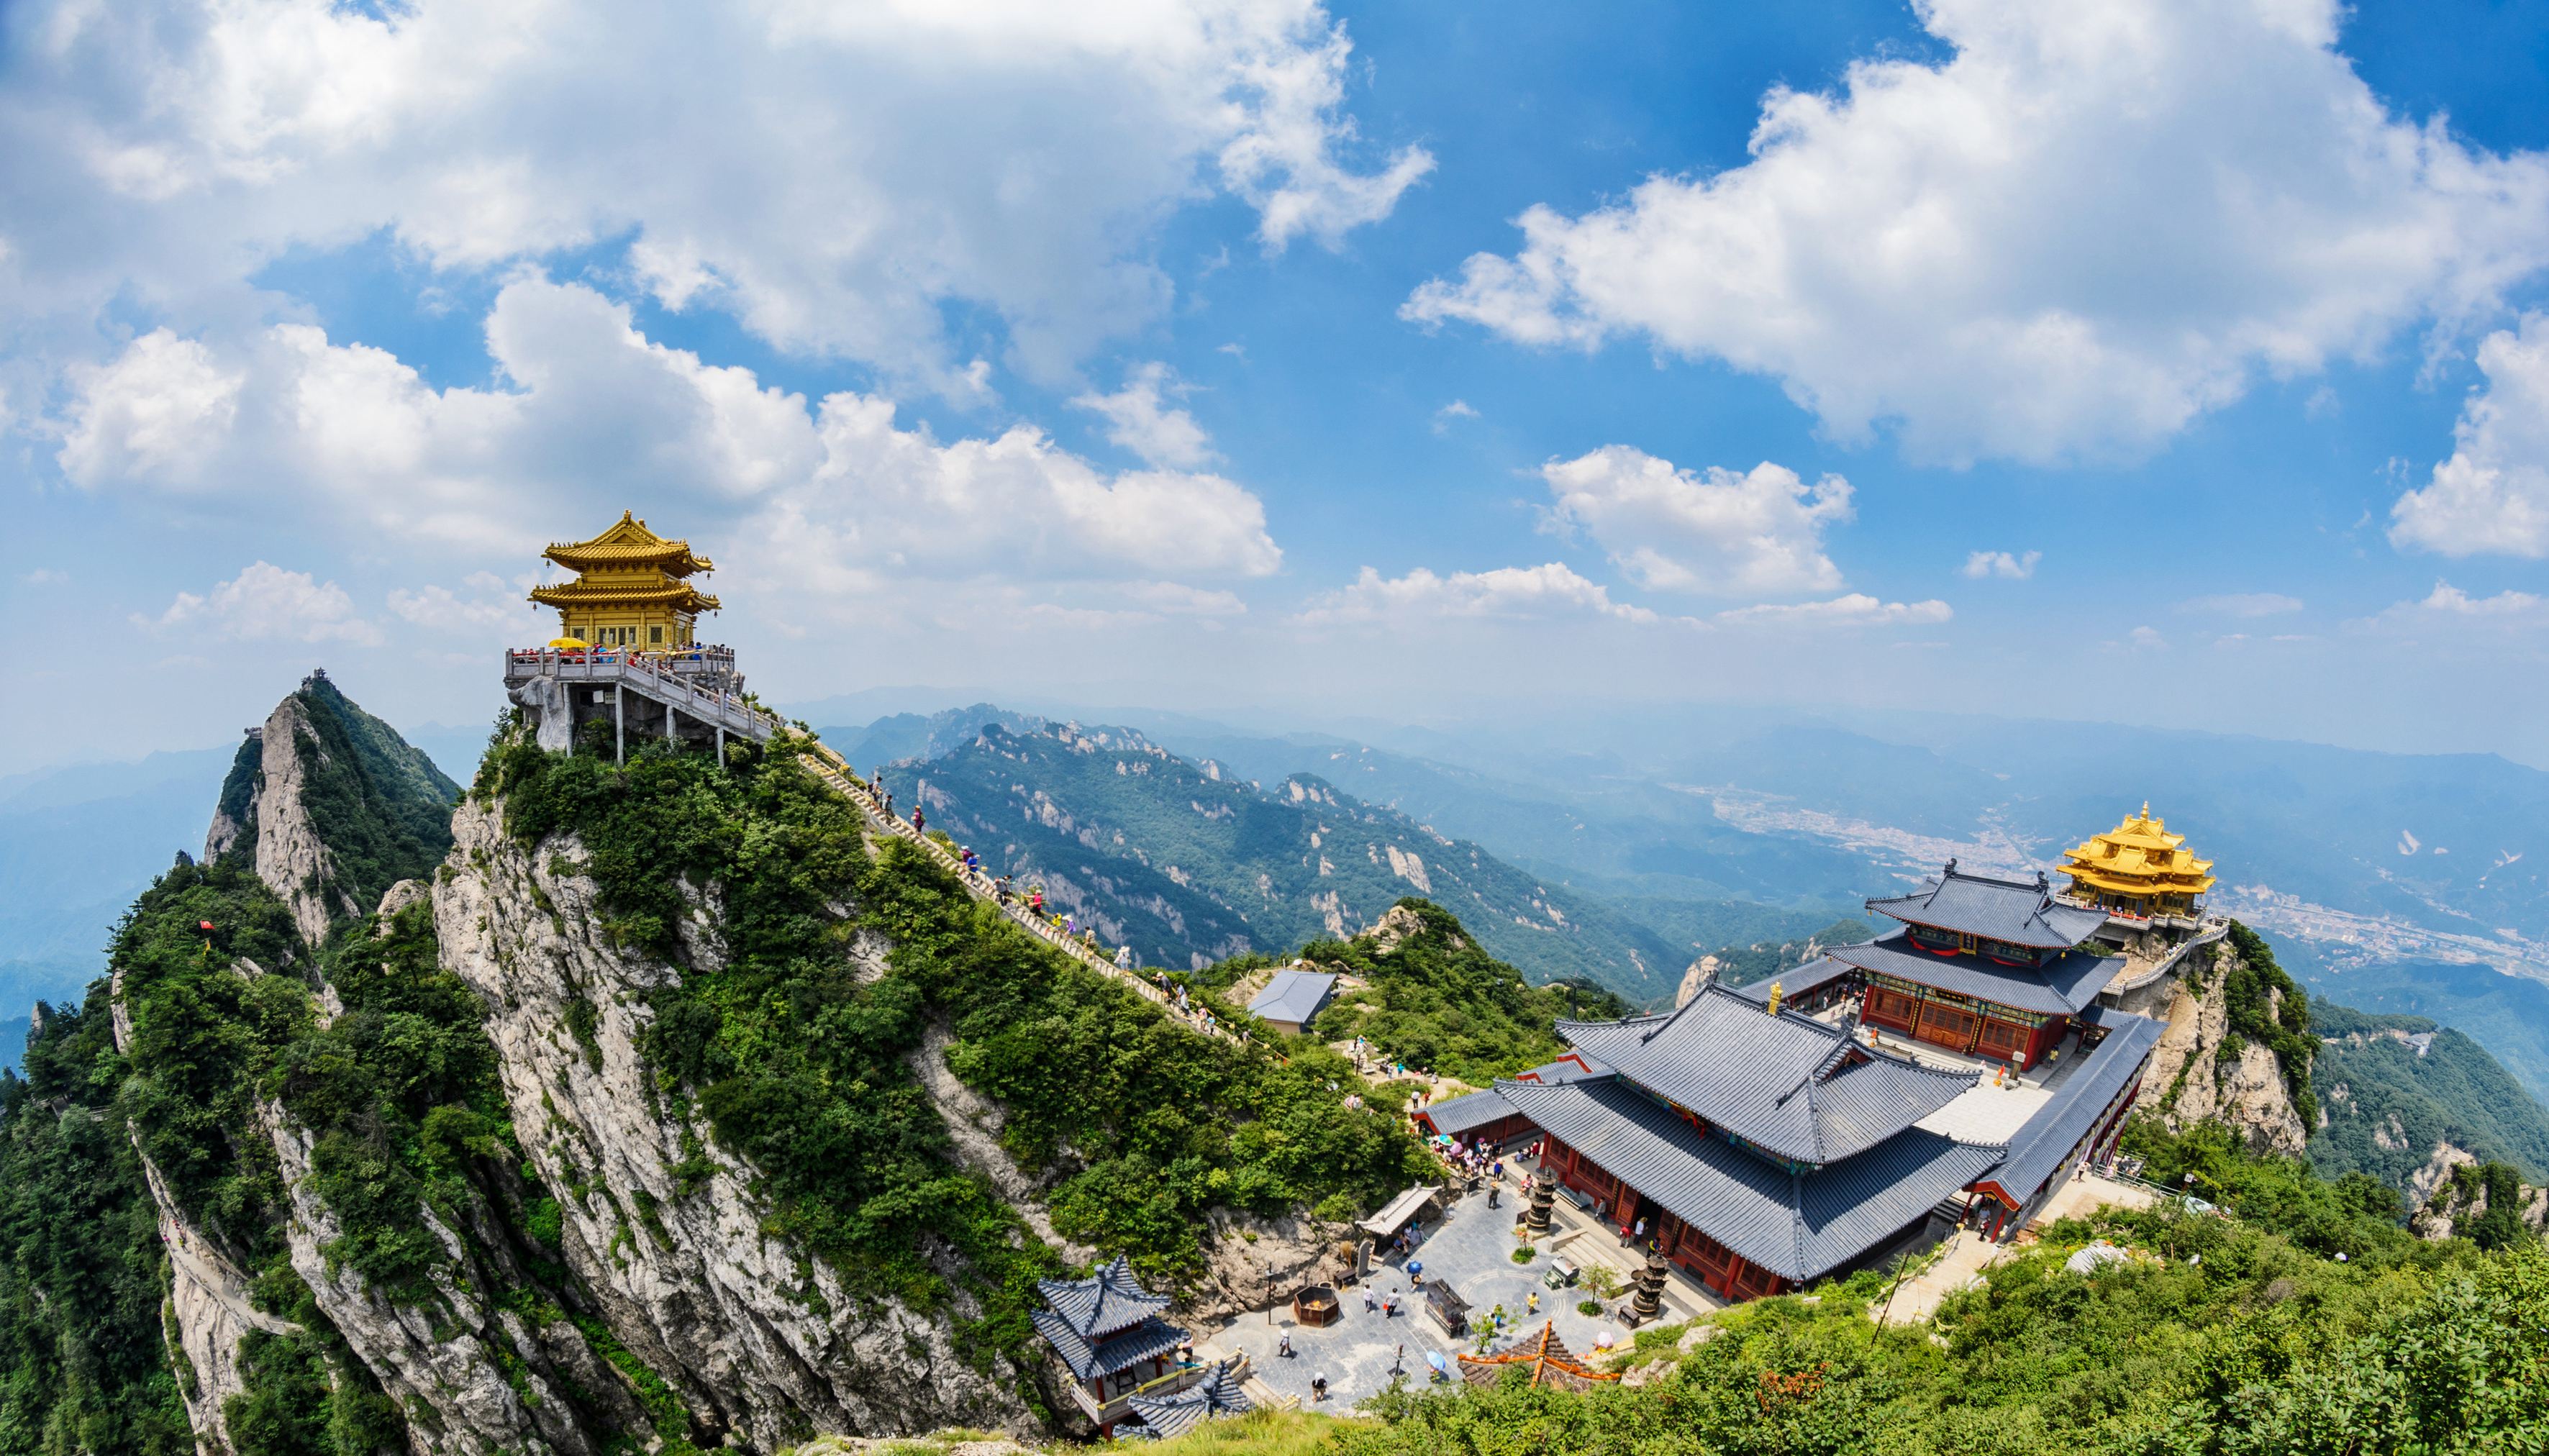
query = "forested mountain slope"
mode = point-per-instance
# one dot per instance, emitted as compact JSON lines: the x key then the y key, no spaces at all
{"x":1190,"y":864}
{"x":2404,"y":1095}
{"x":628,"y":1118}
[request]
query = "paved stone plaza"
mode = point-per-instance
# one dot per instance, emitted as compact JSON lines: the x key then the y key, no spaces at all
{"x":1473,"y":1246}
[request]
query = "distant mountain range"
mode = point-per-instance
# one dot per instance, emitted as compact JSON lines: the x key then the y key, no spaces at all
{"x":1189,"y":864}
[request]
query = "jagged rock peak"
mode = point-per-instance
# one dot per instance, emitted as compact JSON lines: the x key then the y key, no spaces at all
{"x":331,"y":805}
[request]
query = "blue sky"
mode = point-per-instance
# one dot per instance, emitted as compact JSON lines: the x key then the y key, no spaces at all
{"x":2132,"y":361}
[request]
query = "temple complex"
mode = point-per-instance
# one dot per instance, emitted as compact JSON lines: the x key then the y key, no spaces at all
{"x":1993,"y":968}
{"x":628,"y":652}
{"x":1108,"y":1332}
{"x":1765,"y":1148}
{"x":632,"y":589}
{"x":2139,"y":871}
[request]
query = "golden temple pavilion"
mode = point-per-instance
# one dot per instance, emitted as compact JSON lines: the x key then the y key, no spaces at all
{"x":632,"y":589}
{"x":2138,"y":868}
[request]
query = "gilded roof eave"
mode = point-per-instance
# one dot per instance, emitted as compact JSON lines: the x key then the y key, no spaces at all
{"x":679,"y":595}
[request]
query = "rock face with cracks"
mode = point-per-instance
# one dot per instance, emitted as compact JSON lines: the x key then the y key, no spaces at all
{"x":2247,"y":1094}
{"x":761,"y":1341}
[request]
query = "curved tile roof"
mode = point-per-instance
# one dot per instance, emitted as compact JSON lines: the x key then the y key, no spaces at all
{"x":1798,"y":1225}
{"x":1788,"y":1084}
{"x":2021,"y":912}
{"x":1101,"y":1303}
{"x":2062,"y":986}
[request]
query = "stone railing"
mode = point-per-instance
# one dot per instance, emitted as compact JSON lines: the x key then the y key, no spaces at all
{"x":2214,"y":928}
{"x":835,"y":772}
{"x":649,"y":674}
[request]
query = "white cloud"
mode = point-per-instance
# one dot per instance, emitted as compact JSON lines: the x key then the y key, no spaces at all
{"x":158,"y":410}
{"x":2147,"y":637}
{"x":831,"y":175}
{"x":1137,"y":420}
{"x":828,"y":498}
{"x":2493,"y":495}
{"x":265,"y":602}
{"x":1999,"y":563}
{"x":1551,"y":591}
{"x":2449,"y":605}
{"x":1857,"y":609}
{"x":494,"y":610}
{"x":2092,"y":224}
{"x":1721,"y":533}
{"x":1457,"y":410}
{"x":2246,"y":605}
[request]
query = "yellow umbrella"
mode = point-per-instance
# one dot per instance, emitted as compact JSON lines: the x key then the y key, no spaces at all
{"x":568,"y":644}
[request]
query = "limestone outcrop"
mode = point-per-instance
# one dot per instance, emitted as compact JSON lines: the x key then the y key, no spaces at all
{"x":209,"y":1309}
{"x":2192,"y":1082}
{"x":761,"y":1341}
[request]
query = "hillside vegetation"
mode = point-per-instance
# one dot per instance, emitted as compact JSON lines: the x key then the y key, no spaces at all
{"x":2390,"y":1104}
{"x":1439,"y":1003}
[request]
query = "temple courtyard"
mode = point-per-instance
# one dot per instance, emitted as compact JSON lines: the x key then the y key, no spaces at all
{"x":1473,"y":1247}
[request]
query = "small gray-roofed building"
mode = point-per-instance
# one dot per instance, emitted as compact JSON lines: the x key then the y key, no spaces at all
{"x":1145,"y":1339}
{"x":1292,"y":999}
{"x":1461,"y":1116}
{"x":1799,"y":1227}
{"x":1400,"y":1211}
{"x":2011,"y":911}
{"x":1108,"y":1331}
{"x":1220,"y":1392}
{"x":1786,"y":1083}
{"x":2043,"y":1144}
{"x":1104,"y":1302}
{"x":2065,"y":985}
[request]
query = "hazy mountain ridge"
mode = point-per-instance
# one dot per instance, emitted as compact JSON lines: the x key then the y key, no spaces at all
{"x":1192,"y":865}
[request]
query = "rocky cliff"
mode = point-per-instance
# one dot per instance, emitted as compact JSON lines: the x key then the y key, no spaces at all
{"x":647,"y":1107}
{"x":2219,"y":1058}
{"x":319,"y":757}
{"x":763,"y":1341}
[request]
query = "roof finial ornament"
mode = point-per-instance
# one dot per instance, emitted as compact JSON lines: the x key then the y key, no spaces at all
{"x":1951,"y":863}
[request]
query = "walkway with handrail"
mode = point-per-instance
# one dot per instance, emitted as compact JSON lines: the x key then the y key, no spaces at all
{"x":835,"y":772}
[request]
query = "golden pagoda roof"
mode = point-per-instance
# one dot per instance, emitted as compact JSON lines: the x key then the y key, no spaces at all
{"x":677,"y":596}
{"x":1551,"y":1363}
{"x":629,"y":546}
{"x":2139,"y":857}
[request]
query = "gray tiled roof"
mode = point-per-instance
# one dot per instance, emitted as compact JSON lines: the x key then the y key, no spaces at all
{"x":2036,"y":1152}
{"x":1121,"y":1350}
{"x":2062,"y":986}
{"x":1293,"y":996}
{"x":1167,"y":1418}
{"x":2021,"y":912}
{"x":1799,"y":1226}
{"x":1779,"y":1082}
{"x":1466,"y":1114}
{"x":1104,"y":1302}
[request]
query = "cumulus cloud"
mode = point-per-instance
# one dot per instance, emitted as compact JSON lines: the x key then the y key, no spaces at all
{"x":2089,"y":224}
{"x":2242,"y":605}
{"x":1139,"y":419}
{"x":2001,"y":564}
{"x":265,"y":602}
{"x":158,"y":410}
{"x":1551,"y":591}
{"x":1718,"y":531}
{"x":2449,"y":605}
{"x":834,"y":496}
{"x":488,"y":607}
{"x":831,"y":175}
{"x":2492,"y":497}
{"x":1857,"y":609}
